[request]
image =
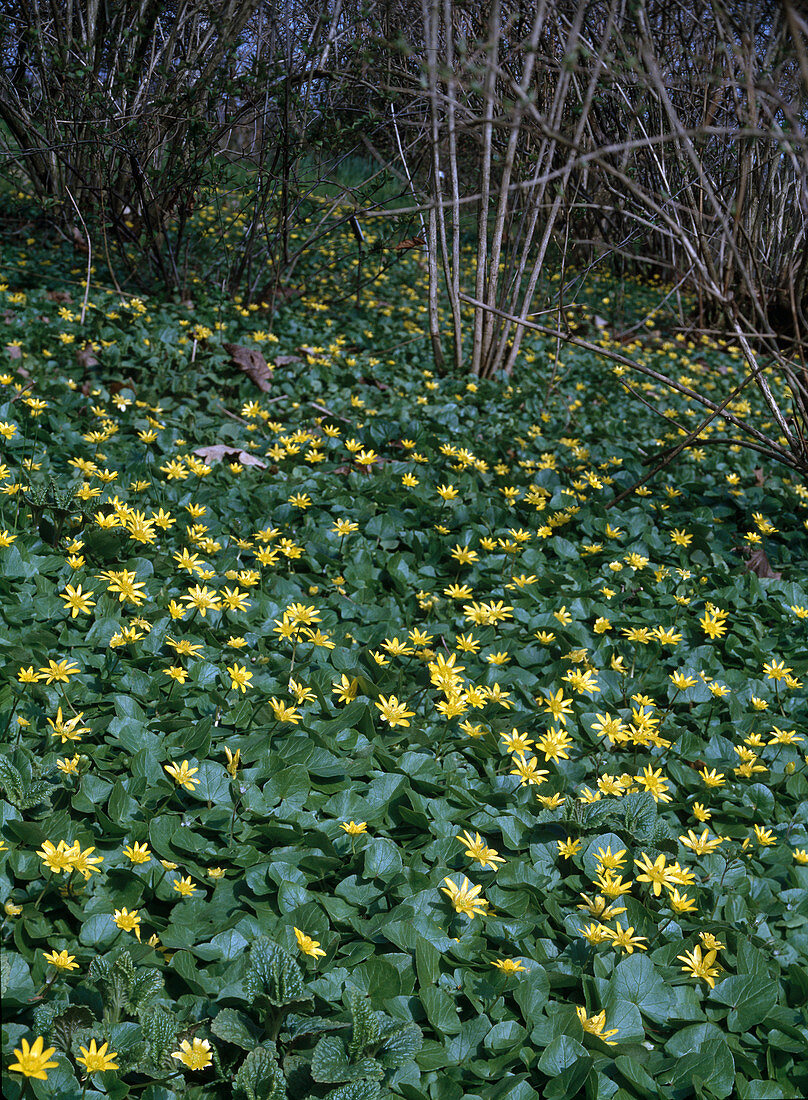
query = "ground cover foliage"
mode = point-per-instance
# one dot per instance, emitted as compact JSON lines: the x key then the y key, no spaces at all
{"x":353,"y":746}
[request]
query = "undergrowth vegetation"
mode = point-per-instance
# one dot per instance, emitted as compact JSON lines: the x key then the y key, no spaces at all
{"x":354,"y":747}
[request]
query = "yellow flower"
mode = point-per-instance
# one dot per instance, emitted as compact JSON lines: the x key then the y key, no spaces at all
{"x":57,"y":859}
{"x":69,"y":730}
{"x":137,"y":853}
{"x":712,"y":778}
{"x":126,"y":921}
{"x":194,"y":1056}
{"x":569,"y":847}
{"x":595,"y":1025}
{"x":59,"y":671}
{"x":625,"y":938}
{"x":354,"y":828}
{"x":510,"y":966}
{"x":77,"y":600}
{"x":557,"y":705}
{"x":240,"y":677}
{"x":528,"y":771}
{"x":656,"y":874}
{"x":764,"y":837}
{"x":181,"y":774}
{"x":393,"y":712}
{"x":61,"y":960}
{"x":447,"y":492}
{"x":476,"y":848}
{"x":700,"y":967}
{"x":654,"y":784}
{"x":345,"y":689}
{"x":96,"y":1059}
{"x":68,"y":767}
{"x":465,"y":898}
{"x":681,"y":903}
{"x":32,"y":1061}
{"x":184,"y":886}
{"x":595,"y":933}
{"x":308,"y":946}
{"x":702,"y":845}
{"x":283,"y":712}
{"x":85,"y":861}
{"x":204,"y":599}
{"x":233,"y":761}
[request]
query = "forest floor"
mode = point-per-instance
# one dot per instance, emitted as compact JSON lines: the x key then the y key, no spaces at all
{"x":355,"y":745}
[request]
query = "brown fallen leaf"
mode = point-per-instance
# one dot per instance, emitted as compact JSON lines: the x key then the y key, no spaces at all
{"x":86,"y":357}
{"x":221,"y":452}
{"x":252,"y":362}
{"x":759,"y":564}
{"x":13,"y":351}
{"x":59,"y":296}
{"x":409,"y":242}
{"x":760,"y":477}
{"x":286,"y":360}
{"x":123,"y":384}
{"x":79,"y":240}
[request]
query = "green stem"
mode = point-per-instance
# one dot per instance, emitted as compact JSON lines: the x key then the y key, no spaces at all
{"x":44,"y":888}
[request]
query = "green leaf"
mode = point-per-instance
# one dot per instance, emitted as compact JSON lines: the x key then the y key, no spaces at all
{"x":213,"y":784}
{"x":330,"y":1064}
{"x":636,"y":1075}
{"x":639,"y":812}
{"x":358,"y":1090}
{"x":427,"y":961}
{"x":235,"y":1028}
{"x":18,"y":987}
{"x":274,"y":974}
{"x":382,"y":859}
{"x":531,"y":994}
{"x":366,"y":1026}
{"x":750,"y":997}
{"x":700,"y":1051}
{"x":291,"y":783}
{"x":562,"y":1052}
{"x":260,"y":1077}
{"x":160,"y":1029}
{"x":441,"y":1010}
{"x":12,"y":781}
{"x":400,"y":1045}
{"x":636,"y":980}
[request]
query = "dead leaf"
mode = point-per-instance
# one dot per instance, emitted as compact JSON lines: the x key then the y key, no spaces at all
{"x":286,"y":360}
{"x":759,"y":564}
{"x":79,"y":240}
{"x":86,"y":357}
{"x":59,"y":296}
{"x":760,"y":477}
{"x":252,"y":362}
{"x":221,"y":452}
{"x":14,"y":352}
{"x":409,"y":242}
{"x":124,"y":384}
